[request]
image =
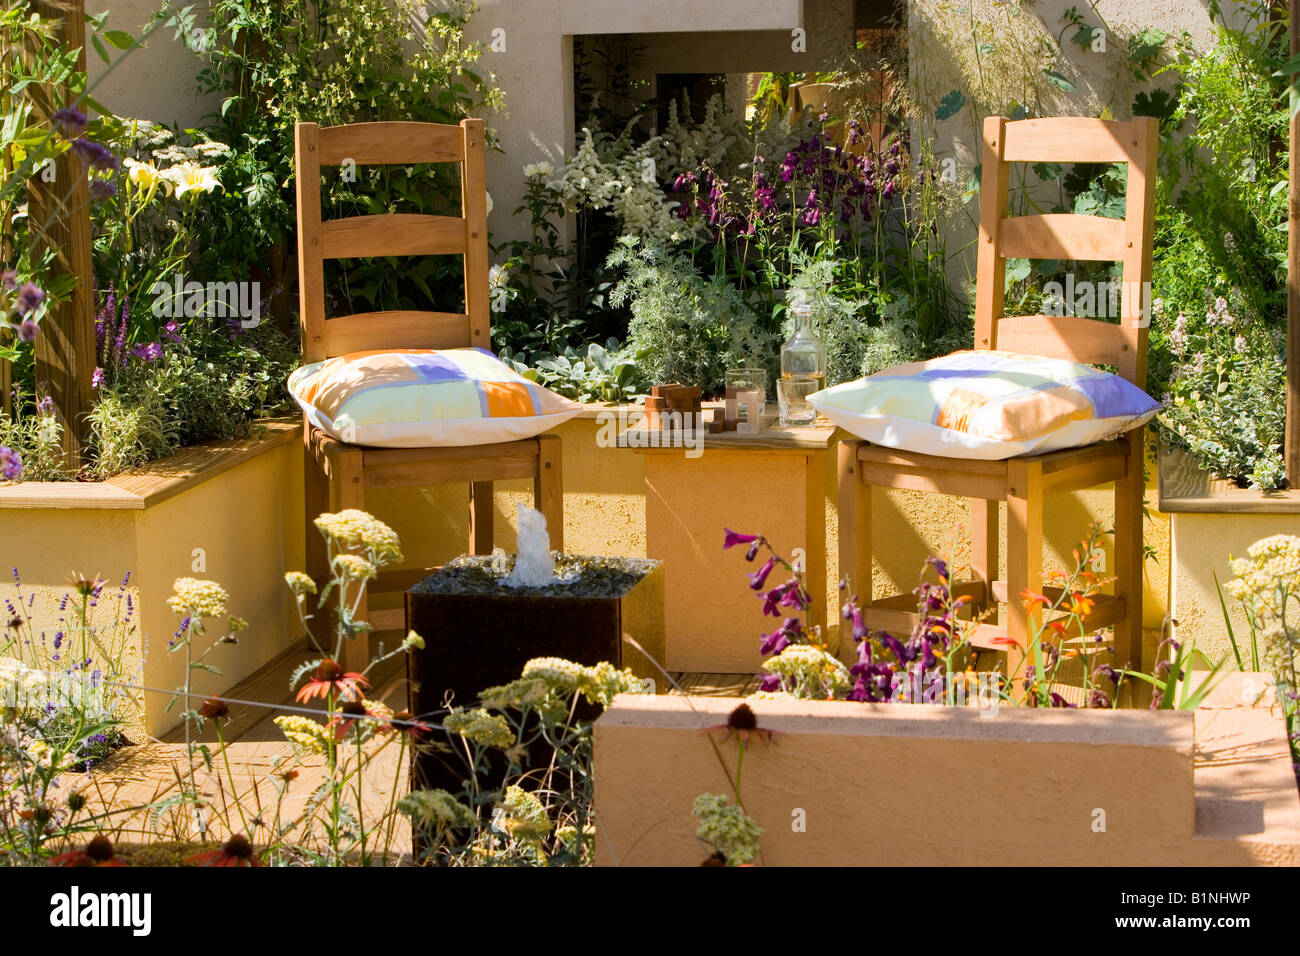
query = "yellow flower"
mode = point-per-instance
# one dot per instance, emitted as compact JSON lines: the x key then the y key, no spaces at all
{"x":146,"y":178}
{"x":198,"y":598}
{"x":525,"y":817}
{"x":300,"y":583}
{"x":491,"y":730}
{"x":356,"y":529}
{"x":303,"y":732}
{"x":351,"y":567}
{"x":191,"y":178}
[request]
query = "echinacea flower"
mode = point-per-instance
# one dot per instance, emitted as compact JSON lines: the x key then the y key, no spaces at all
{"x":329,"y":678}
{"x":359,"y":714}
{"x":743,"y":723}
{"x":215,"y":709}
{"x":98,"y":852}
{"x":237,"y":851}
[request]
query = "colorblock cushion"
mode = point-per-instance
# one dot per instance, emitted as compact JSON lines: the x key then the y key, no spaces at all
{"x":425,"y":398}
{"x":987,"y":405}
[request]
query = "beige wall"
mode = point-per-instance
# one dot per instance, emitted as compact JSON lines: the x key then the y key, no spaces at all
{"x":246,"y":525}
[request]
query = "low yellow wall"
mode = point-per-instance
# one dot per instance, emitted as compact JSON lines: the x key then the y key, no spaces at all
{"x":249,"y":524}
{"x":604,"y":513}
{"x":241,"y":528}
{"x":955,"y":786}
{"x":1202,"y":545}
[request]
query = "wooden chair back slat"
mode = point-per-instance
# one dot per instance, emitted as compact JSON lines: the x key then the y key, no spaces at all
{"x":394,"y":330}
{"x":1069,"y":237}
{"x":391,"y":144}
{"x":1063,"y":236}
{"x":397,"y":234}
{"x":1068,"y":139}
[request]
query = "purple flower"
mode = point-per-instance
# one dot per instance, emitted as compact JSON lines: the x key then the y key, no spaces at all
{"x":27,"y":331}
{"x":101,"y":189}
{"x":149,"y":351}
{"x":45,"y":405}
{"x":97,"y":379}
{"x":29,"y":298}
{"x":95,"y":155}
{"x":71,"y":122}
{"x":733,"y":538}
{"x":8,"y":279}
{"x":171,"y":332}
{"x":11,"y":466}
{"x":759,"y":577}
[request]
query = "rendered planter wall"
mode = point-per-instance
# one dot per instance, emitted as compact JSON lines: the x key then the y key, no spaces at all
{"x":227,"y":511}
{"x":1213,"y":521}
{"x":875,"y":784}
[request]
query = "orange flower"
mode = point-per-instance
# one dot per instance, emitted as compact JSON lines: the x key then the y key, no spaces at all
{"x":329,"y":678}
{"x":98,"y":852}
{"x":236,"y":851}
{"x":1033,"y":600}
{"x":1081,"y":604}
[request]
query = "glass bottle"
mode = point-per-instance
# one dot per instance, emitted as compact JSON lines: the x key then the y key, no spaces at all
{"x":803,"y":357}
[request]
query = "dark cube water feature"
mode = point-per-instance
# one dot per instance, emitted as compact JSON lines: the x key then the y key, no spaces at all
{"x":479,"y":632}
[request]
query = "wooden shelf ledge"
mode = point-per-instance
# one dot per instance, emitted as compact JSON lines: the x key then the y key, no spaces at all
{"x":141,"y":488}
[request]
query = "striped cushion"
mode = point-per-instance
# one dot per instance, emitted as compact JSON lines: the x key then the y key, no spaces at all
{"x":423,"y":398}
{"x":988,"y":405}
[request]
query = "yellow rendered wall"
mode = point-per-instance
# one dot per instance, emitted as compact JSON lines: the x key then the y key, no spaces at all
{"x":1202,"y":545}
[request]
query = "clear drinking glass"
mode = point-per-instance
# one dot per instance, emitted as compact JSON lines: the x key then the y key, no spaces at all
{"x":792,"y":399}
{"x":747,"y":380}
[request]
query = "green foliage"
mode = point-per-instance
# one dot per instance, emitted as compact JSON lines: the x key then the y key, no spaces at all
{"x":685,"y":327}
{"x":127,"y":430}
{"x":332,"y":63}
{"x":602,"y":374}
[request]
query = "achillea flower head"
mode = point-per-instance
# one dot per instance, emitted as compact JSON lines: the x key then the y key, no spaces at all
{"x":525,"y":816}
{"x":303,"y":732}
{"x":490,"y":730}
{"x":352,"y":567}
{"x":807,"y":672}
{"x":727,"y":828}
{"x":434,"y":809}
{"x":195,"y":597}
{"x":300,"y":583}
{"x":353,"y":528}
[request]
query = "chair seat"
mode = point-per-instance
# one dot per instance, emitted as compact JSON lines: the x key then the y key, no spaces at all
{"x":1067,"y":470}
{"x":399,"y":467}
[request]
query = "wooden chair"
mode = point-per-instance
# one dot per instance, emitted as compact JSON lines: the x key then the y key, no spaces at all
{"x":338,"y":474}
{"x":1024,"y":483}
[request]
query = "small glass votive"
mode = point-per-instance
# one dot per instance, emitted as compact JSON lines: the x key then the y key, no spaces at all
{"x":749,"y":379}
{"x":792,"y":400}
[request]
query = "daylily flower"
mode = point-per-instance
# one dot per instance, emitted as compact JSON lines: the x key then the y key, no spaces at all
{"x":192,"y":179}
{"x":146,"y":179}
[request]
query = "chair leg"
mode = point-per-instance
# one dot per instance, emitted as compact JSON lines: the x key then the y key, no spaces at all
{"x":1128,"y":556}
{"x":984,"y":546}
{"x":316,"y":498}
{"x":348,"y":490}
{"x":1024,"y":563}
{"x":548,"y":487}
{"x":480,"y":517}
{"x":855,"y":534}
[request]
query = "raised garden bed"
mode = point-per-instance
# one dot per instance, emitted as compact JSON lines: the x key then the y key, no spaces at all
{"x":230,"y":511}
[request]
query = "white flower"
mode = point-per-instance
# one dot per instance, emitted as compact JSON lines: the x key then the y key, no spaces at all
{"x":530,"y":170}
{"x":544,"y":168}
{"x":192,"y":178}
